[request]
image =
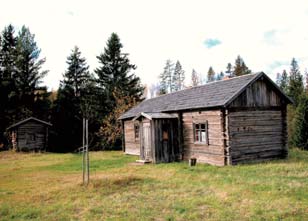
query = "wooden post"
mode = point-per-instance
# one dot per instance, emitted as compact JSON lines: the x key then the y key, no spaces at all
{"x":225,"y":130}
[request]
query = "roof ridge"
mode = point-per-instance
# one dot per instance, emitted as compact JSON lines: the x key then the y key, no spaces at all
{"x":213,"y":82}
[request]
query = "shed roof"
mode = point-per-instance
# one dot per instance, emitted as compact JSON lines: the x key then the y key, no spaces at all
{"x":214,"y":94}
{"x":28,"y":119}
{"x":151,"y":116}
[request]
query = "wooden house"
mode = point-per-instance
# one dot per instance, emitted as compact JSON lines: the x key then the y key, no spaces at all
{"x":30,"y":134}
{"x":221,"y":123}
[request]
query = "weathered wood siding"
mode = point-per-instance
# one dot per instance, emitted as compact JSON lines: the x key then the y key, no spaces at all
{"x":132,"y":146}
{"x":31,"y":129}
{"x":259,"y":94}
{"x":165,"y":140}
{"x":213,"y":153}
{"x":257,"y":135}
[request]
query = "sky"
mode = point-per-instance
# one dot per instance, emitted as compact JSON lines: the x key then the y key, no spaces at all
{"x":266,"y":34}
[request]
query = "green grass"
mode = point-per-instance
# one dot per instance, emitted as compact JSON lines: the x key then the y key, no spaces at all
{"x":48,"y":187}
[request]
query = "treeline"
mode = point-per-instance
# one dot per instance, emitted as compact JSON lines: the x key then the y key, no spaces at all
{"x":100,"y":96}
{"x":292,"y":83}
{"x":173,"y":76}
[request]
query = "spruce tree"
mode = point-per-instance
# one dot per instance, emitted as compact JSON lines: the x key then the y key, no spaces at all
{"x":300,"y":131}
{"x":28,"y":76}
{"x":210,"y":75}
{"x":8,"y":95}
{"x":115,"y":72}
{"x":166,"y":77}
{"x":306,"y":85}
{"x":284,"y":81}
{"x":229,"y":69}
{"x":220,"y":76}
{"x":69,"y":107}
{"x":296,"y":87}
{"x":178,"y":77}
{"x":240,"y":67}
{"x":77,"y":73}
{"x":195,"y":81}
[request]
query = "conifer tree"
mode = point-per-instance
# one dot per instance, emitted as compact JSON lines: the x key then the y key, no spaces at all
{"x":8,"y":93}
{"x":115,"y":72}
{"x":28,"y":76}
{"x":229,"y":69}
{"x":69,"y":108}
{"x":77,"y":73}
{"x":240,"y":67}
{"x":195,"y":81}
{"x":210,"y":75}
{"x":300,"y":132}
{"x":306,"y":85}
{"x":178,"y":77}
{"x":220,"y":76}
{"x":296,"y":87}
{"x":284,"y":81}
{"x":165,"y":78}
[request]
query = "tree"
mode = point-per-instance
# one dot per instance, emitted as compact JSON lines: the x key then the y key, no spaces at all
{"x":28,"y":76}
{"x":72,"y":104}
{"x":210,"y":75}
{"x":240,"y":67}
{"x":229,"y":69}
{"x":300,"y":132}
{"x":306,"y":86}
{"x":178,"y":77}
{"x":296,"y":87}
{"x":165,"y":78}
{"x":115,"y":72}
{"x":195,"y":79}
{"x":8,"y":96}
{"x":77,"y":73}
{"x":283,"y":81}
{"x":111,"y":131}
{"x":220,"y":76}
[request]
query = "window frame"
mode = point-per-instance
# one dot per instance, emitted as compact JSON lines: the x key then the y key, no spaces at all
{"x":197,"y":130}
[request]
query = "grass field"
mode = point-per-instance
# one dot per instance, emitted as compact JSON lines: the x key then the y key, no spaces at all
{"x":48,"y":187}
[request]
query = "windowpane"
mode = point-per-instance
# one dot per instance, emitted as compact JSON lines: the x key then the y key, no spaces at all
{"x":201,"y":133}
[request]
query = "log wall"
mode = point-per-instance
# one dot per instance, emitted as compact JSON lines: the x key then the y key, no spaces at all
{"x":37,"y":131}
{"x":257,"y":135}
{"x":132,"y":146}
{"x":214,"y":152}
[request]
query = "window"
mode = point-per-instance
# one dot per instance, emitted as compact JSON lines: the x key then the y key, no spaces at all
{"x":136,"y":128}
{"x":201,"y":133}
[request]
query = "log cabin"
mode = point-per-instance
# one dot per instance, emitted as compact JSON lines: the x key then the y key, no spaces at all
{"x":30,"y":134}
{"x":240,"y":119}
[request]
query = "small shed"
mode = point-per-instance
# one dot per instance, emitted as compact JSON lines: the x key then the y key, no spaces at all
{"x":30,"y":134}
{"x":225,"y":122}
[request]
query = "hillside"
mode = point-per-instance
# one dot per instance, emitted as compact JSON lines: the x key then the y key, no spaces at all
{"x":48,"y":187}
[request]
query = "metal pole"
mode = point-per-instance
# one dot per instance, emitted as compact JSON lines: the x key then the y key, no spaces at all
{"x":87,"y":146}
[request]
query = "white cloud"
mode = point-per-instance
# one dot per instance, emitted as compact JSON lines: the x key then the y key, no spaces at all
{"x":153,"y":31}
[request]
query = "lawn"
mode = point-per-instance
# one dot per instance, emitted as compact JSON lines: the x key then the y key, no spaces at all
{"x":48,"y":187}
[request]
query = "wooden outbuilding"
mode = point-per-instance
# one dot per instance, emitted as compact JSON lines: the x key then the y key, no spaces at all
{"x":30,"y":134}
{"x":225,"y":122}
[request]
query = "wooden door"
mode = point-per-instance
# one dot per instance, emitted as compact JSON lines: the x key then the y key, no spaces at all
{"x":146,"y":144}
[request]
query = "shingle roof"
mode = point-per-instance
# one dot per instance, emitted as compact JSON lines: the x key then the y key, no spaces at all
{"x":28,"y":119}
{"x":214,"y":94}
{"x":155,"y":115}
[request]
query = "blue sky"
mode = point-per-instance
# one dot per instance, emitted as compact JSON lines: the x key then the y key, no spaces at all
{"x":198,"y":33}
